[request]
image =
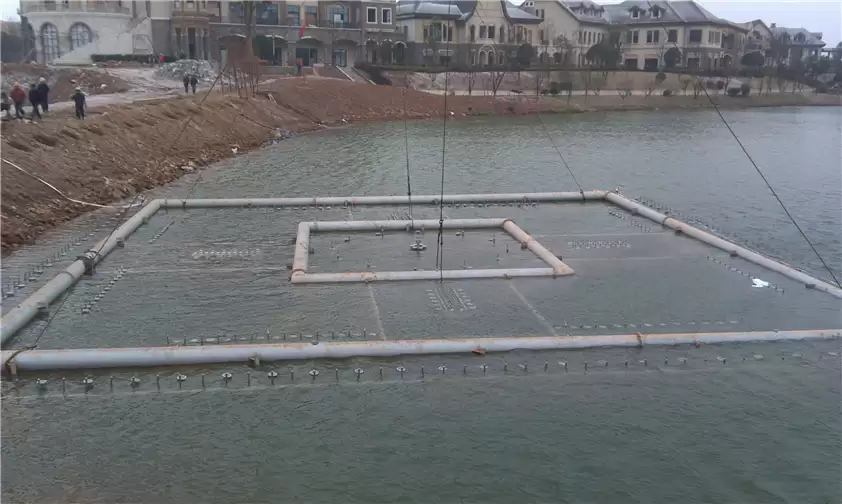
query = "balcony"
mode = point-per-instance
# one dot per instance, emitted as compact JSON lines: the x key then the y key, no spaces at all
{"x":104,"y":8}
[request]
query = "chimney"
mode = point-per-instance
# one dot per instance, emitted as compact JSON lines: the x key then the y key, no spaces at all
{"x":773,"y":25}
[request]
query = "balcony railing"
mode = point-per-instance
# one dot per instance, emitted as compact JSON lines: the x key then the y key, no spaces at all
{"x":74,"y":7}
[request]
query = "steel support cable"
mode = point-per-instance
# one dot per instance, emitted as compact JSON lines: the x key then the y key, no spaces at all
{"x":406,"y":142}
{"x":440,"y":239}
{"x":546,"y":132}
{"x":762,"y":175}
{"x":120,"y":221}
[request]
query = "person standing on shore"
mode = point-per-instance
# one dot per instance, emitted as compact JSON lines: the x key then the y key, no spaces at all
{"x":79,"y":99}
{"x":193,"y":82}
{"x":186,"y":82}
{"x":44,"y":94}
{"x":35,"y":101}
{"x":18,"y":96}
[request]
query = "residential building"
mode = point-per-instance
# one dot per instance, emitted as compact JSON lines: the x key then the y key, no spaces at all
{"x":466,"y":32}
{"x":338,"y":32}
{"x":791,"y":45}
{"x":653,"y":34}
{"x":69,"y":31}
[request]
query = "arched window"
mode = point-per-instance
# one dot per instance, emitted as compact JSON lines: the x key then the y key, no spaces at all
{"x":80,"y":35}
{"x":500,"y":58}
{"x":490,"y":58}
{"x":49,"y":42}
{"x":483,"y":58}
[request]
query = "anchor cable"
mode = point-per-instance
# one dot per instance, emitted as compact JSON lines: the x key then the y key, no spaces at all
{"x":406,"y":143}
{"x":763,"y":176}
{"x":440,"y":239}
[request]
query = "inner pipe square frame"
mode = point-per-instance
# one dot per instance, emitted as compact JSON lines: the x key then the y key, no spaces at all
{"x":555,"y":267}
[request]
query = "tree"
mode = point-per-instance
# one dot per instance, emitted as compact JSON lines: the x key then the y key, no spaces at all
{"x":249,"y":19}
{"x":565,"y":50}
{"x":753,"y":59}
{"x":605,"y":54}
{"x":525,"y":54}
{"x":672,"y":57}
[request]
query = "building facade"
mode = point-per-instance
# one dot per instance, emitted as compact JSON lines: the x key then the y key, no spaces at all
{"x":652,"y":34}
{"x":333,"y":32}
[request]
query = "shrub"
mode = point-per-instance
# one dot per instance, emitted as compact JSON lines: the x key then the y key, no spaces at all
{"x":667,"y":92}
{"x":555,"y":88}
{"x":720,"y":85}
{"x":660,"y":77}
{"x":710,"y":83}
{"x":745,"y":89}
{"x":545,"y":92}
{"x":734,"y":92}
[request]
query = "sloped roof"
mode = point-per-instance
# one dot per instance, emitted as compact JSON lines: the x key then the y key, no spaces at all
{"x":460,"y":10}
{"x":678,"y":12}
{"x":810,"y":38}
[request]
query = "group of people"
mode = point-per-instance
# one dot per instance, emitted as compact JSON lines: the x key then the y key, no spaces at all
{"x":38,"y":96}
{"x":190,"y":81}
{"x":39,"y":99}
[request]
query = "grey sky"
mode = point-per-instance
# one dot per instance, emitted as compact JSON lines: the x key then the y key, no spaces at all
{"x":816,"y":15}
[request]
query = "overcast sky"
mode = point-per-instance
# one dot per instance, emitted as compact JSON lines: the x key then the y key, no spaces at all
{"x":816,"y":15}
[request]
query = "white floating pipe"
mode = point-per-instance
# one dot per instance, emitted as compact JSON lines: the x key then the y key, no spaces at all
{"x":383,"y":200}
{"x":559,"y":268}
{"x":298,"y":277}
{"x":42,"y":360}
{"x":727,"y":246}
{"x":18,"y":317}
{"x":302,"y":248}
{"x":329,"y":226}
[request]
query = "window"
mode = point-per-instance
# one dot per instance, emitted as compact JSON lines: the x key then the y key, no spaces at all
{"x":635,"y":37}
{"x":653,"y":36}
{"x":483,"y":32}
{"x":581,"y":37}
{"x":80,"y":35}
{"x":695,"y":36}
{"x":672,"y":36}
{"x":502,"y":34}
{"x":266,"y":13}
{"x":311,"y":15}
{"x":49,"y":42}
{"x":338,"y":15}
{"x":473,"y":32}
{"x":588,"y":38}
{"x":656,"y":13}
{"x":635,"y":14}
{"x":371,"y":15}
{"x":386,"y":16}
{"x":293,"y":15}
{"x":540,"y":13}
{"x":491,"y":32}
{"x":541,"y":36}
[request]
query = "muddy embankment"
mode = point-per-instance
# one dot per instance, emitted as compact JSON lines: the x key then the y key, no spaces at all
{"x":121,"y":150}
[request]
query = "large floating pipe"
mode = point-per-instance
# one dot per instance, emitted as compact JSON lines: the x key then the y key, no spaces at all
{"x":395,"y":276}
{"x":383,"y":200}
{"x":559,"y":268}
{"x":731,"y":248}
{"x":38,"y":360}
{"x":392,"y":225}
{"x":22,"y":314}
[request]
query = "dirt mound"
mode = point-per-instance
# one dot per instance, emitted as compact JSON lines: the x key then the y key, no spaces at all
{"x":120,"y":151}
{"x":62,"y":81}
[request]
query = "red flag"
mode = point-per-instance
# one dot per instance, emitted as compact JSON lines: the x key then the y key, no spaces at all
{"x":301,"y":31}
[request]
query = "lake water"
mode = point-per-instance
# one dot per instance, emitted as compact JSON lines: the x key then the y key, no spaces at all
{"x":740,"y":423}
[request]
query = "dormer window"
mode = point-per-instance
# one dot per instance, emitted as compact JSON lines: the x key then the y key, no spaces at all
{"x":656,"y":13}
{"x":635,"y":13}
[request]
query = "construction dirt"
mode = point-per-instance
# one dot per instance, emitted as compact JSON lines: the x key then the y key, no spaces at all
{"x":123,"y":149}
{"x":63,"y":81}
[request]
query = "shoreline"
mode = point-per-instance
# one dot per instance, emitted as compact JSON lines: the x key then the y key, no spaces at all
{"x":125,"y":149}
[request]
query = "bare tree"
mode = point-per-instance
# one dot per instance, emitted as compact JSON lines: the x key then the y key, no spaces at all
{"x":685,"y":81}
